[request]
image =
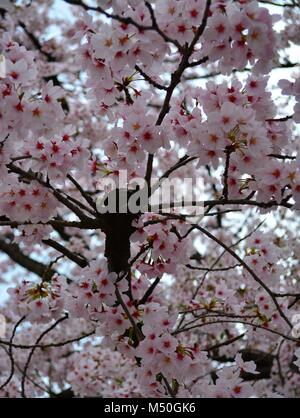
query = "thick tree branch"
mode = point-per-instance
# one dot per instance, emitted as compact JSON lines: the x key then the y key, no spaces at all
{"x":36,"y":267}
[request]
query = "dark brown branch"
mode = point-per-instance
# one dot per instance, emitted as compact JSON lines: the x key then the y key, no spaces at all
{"x":228,"y":151}
{"x":149,"y":291}
{"x":168,"y":387}
{"x":182,"y":162}
{"x":58,"y":225}
{"x":158,"y":30}
{"x":85,"y":195}
{"x":36,"y":43}
{"x":264,"y":205}
{"x":197,"y":63}
{"x":224,"y":343}
{"x":121,"y":19}
{"x":149,"y":79}
{"x":272,"y":3}
{"x":42,"y":346}
{"x":78,"y":259}
{"x":212,"y":269}
{"x":137,"y":331}
{"x":283,"y":119}
{"x":282,"y":157}
{"x":237,"y":321}
{"x":14,"y":252}
{"x":175,"y":80}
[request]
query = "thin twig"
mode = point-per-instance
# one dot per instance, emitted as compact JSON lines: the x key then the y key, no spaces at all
{"x":249,"y":269}
{"x":10,"y":354}
{"x":23,"y":380}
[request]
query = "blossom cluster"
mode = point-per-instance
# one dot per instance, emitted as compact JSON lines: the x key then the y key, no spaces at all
{"x":40,"y":302}
{"x":24,"y":202}
{"x":98,"y":371}
{"x":32,"y":121}
{"x":239,"y":125}
{"x":165,"y":246}
{"x":238,"y":33}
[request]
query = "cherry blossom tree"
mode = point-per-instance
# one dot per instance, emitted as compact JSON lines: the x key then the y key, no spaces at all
{"x":149,"y":303}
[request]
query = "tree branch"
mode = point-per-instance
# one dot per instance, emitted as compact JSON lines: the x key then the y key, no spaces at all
{"x":78,"y":259}
{"x":249,"y":269}
{"x":36,"y":267}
